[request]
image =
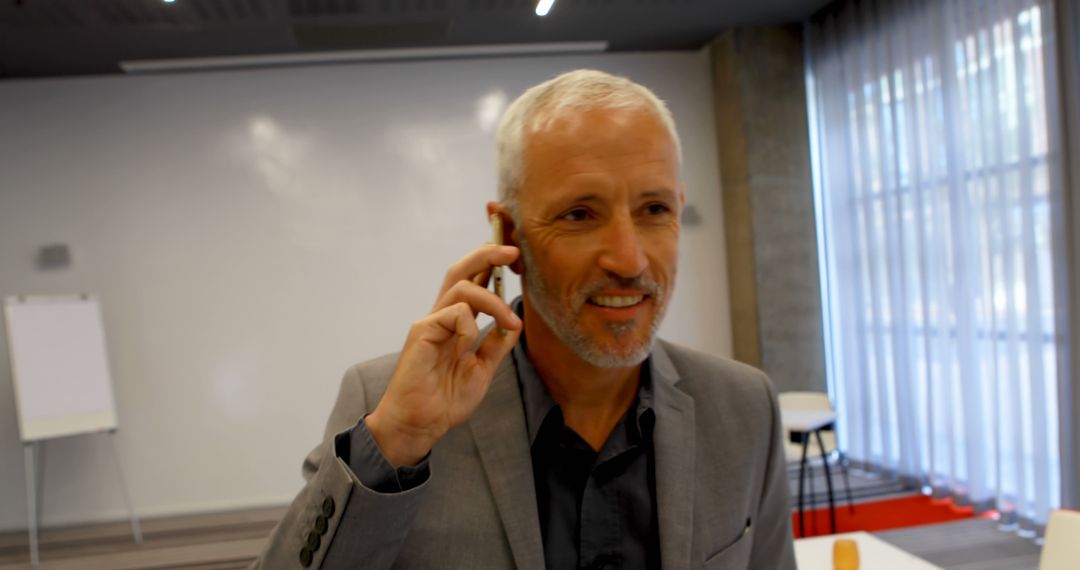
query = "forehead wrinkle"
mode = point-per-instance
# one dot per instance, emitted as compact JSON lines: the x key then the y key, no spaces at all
{"x":595,"y":183}
{"x":586,"y":164}
{"x":658,"y":193}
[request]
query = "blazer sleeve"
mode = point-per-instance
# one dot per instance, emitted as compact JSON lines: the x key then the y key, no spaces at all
{"x":335,"y":521}
{"x":773,"y":545}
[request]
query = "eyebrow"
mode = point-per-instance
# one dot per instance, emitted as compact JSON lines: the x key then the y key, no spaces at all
{"x":592,"y":197}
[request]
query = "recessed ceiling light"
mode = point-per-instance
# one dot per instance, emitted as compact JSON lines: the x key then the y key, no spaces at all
{"x":543,"y":7}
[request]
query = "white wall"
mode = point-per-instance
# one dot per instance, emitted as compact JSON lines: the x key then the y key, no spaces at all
{"x":251,"y":234}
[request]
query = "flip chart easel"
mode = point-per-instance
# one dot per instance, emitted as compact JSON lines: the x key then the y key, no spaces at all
{"x":63,"y":387}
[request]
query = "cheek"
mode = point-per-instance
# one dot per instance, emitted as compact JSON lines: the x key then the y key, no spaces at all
{"x":664,"y":257}
{"x":569,"y":269}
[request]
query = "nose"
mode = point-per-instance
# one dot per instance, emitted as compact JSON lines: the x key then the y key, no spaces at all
{"x":622,"y":253}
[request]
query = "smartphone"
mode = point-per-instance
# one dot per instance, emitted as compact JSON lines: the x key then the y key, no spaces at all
{"x":497,"y":271}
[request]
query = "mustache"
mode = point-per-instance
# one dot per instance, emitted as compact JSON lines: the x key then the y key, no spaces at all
{"x":639,"y":283}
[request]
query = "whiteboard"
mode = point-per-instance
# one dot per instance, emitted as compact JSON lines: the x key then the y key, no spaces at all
{"x":59,"y":366}
{"x":251,"y":234}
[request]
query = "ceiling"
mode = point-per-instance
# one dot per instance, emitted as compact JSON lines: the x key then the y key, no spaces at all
{"x":47,"y":38}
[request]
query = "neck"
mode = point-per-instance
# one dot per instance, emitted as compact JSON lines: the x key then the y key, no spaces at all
{"x":593,"y":399}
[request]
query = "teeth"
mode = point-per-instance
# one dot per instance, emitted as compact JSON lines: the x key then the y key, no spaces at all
{"x":616,"y":302}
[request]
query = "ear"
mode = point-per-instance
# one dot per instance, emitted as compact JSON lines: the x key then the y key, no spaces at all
{"x":508,"y":231}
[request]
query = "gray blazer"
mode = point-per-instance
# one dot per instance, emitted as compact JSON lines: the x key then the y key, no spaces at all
{"x":721,"y":483}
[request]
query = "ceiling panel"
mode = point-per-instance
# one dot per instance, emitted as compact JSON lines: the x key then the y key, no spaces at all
{"x":43,"y":38}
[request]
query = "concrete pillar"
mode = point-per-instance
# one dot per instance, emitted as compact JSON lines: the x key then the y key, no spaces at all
{"x":768,"y":202}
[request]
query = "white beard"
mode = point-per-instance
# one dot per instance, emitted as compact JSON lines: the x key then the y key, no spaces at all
{"x":564,"y":323}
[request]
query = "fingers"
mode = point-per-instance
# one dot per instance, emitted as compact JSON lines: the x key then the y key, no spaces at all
{"x":480,"y":300}
{"x":478,"y":262}
{"x":482,"y":279}
{"x":455,"y":322}
{"x":496,"y":346}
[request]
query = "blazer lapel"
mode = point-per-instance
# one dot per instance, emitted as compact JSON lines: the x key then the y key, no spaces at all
{"x":498,"y":426}
{"x":673,"y":440}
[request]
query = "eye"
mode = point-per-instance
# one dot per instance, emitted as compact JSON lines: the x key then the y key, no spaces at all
{"x":575,"y":215}
{"x":657,"y":209}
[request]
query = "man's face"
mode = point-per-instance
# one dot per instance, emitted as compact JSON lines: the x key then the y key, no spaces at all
{"x":598,"y":228}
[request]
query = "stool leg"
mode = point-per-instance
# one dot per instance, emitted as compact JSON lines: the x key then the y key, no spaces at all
{"x":847,"y":484}
{"x":812,"y":497}
{"x":828,"y":481}
{"x":802,"y":479}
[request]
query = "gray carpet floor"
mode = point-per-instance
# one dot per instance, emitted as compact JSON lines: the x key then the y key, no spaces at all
{"x":864,"y":486}
{"x":975,"y":544}
{"x":226,"y":541}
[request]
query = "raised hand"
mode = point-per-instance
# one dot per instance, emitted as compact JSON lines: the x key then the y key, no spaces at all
{"x":440,"y":379}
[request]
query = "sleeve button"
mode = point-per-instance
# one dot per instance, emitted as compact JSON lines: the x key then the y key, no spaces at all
{"x":305,"y":557}
{"x":328,"y":507}
{"x":313,"y":541}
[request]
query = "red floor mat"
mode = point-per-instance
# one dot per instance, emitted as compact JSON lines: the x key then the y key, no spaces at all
{"x":883,"y":515}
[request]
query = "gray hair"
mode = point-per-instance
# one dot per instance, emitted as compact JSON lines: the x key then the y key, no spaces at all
{"x":550,"y":100}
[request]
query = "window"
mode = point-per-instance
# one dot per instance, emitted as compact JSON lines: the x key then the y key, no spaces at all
{"x":936,"y":171}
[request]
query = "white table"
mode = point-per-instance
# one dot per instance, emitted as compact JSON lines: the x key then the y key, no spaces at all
{"x":874,"y":554}
{"x":807,"y":423}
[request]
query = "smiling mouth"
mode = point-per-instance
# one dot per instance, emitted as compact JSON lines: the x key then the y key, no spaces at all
{"x":616,"y":301}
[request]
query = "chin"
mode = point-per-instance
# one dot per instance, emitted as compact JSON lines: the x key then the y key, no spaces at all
{"x":617,"y":350}
{"x":604,"y":359}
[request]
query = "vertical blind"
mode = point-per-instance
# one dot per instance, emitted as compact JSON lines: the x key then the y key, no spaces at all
{"x":937,"y":180}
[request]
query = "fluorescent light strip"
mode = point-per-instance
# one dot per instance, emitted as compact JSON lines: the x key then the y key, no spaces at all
{"x":352,"y":56}
{"x":543,"y":7}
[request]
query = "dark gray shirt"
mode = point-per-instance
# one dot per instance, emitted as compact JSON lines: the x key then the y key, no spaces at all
{"x":597,"y":508}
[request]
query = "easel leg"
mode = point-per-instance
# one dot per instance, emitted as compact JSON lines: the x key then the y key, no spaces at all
{"x":40,"y":466}
{"x":31,"y":500}
{"x":135,"y":530}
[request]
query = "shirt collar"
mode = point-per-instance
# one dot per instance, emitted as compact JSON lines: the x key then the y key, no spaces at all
{"x":538,"y":401}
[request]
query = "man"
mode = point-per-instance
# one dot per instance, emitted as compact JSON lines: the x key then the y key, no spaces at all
{"x":565,"y":436}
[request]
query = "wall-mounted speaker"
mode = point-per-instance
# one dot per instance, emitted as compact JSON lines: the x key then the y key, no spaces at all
{"x":54,"y":256}
{"x":690,"y":216}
